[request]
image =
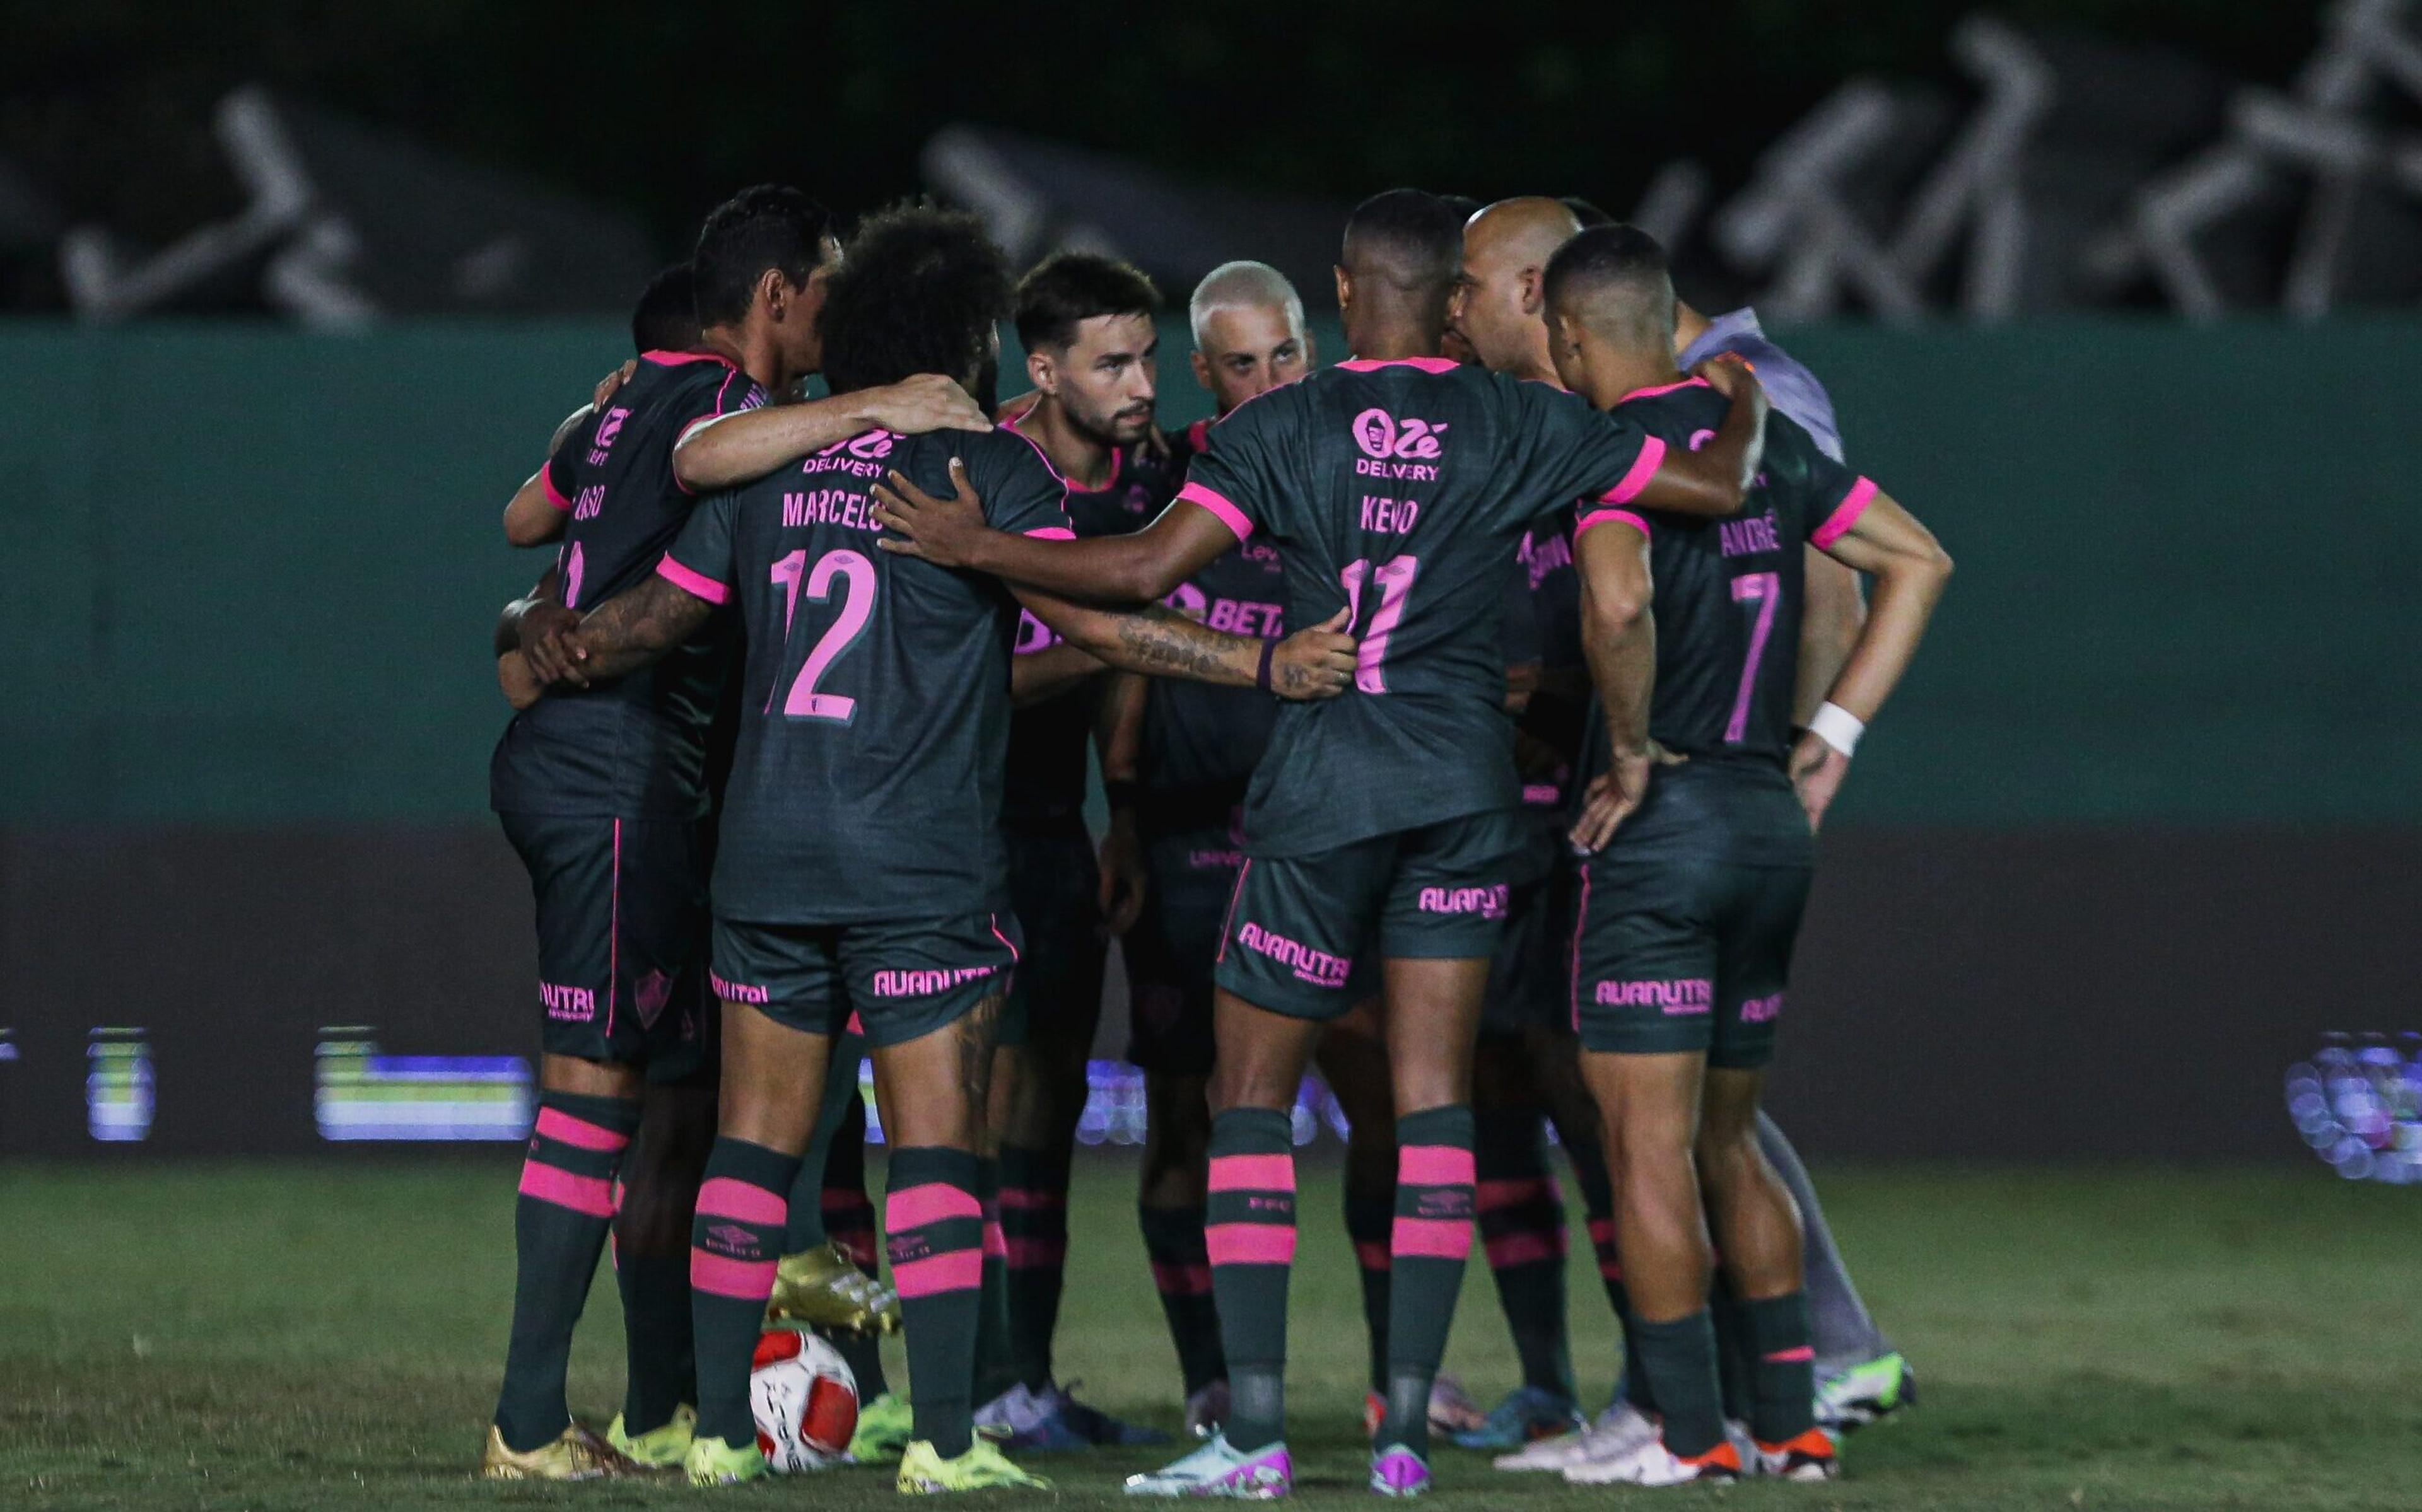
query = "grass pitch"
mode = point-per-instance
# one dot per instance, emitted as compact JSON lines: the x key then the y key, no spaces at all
{"x":316,"y":1335}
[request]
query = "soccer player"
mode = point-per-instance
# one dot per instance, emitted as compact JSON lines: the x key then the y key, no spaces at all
{"x":1086,"y":323}
{"x":1198,"y":748}
{"x":1395,"y":485}
{"x":1683,"y":951}
{"x":601,"y":791}
{"x":860,"y":867}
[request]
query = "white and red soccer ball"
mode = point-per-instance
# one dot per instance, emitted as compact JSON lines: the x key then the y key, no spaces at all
{"x":805,"y":1401}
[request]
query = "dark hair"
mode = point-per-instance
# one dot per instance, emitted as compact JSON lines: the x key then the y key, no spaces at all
{"x":1463,"y":204}
{"x":1415,"y":236}
{"x":1622,"y":260}
{"x":1585,"y":212}
{"x":918,"y":291}
{"x":1070,"y":286}
{"x":666,"y":317}
{"x":770,"y":226}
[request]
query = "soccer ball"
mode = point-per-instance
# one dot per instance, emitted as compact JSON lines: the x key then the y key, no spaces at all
{"x":805,"y":1401}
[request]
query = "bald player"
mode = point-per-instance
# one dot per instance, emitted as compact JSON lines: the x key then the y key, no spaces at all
{"x":1501,"y":308}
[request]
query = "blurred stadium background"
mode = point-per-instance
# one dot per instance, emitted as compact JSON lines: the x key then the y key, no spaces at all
{"x":2122,"y":295}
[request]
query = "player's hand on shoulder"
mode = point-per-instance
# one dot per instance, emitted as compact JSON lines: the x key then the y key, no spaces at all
{"x":1817,"y":774}
{"x":924,"y":403}
{"x":612,"y":383}
{"x":1316,"y":663}
{"x":942,"y":531}
{"x":1726,"y":373}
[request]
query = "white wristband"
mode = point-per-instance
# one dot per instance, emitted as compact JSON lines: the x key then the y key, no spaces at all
{"x":1837,"y":728}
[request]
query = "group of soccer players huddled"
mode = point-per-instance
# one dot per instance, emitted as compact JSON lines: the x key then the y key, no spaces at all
{"x":1464,"y":709}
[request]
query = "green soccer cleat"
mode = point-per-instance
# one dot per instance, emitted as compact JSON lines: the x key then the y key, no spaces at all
{"x":982,"y":1467}
{"x":1866,"y":1393}
{"x":713,"y":1462}
{"x":884,"y":1426}
{"x":663,"y":1448}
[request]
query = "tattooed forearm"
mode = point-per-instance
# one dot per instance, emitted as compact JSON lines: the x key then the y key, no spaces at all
{"x":1157,"y":639}
{"x":634,"y":628}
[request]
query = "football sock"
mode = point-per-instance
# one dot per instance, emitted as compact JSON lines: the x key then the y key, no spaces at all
{"x":735,"y":1241}
{"x":1522,"y":1228}
{"x":1181,"y":1272}
{"x":1735,"y":1362}
{"x":1250,"y":1239}
{"x":1034,"y":1229}
{"x":1680,"y":1360}
{"x":660,"y":1369}
{"x":1597,"y":1201}
{"x":1369,"y":1217}
{"x":848,"y":1214}
{"x":934,"y":1225}
{"x":560,"y":1224}
{"x":1844,"y":1334}
{"x":1784,"y":1369}
{"x":1426,"y":1250}
{"x":807,"y":1225}
{"x":995,"y":1366}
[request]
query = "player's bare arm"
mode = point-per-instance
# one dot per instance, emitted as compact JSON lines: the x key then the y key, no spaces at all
{"x":532,"y":518}
{"x":1619,"y":639}
{"x":736,"y":448}
{"x":632,"y":629}
{"x":1141,"y":567}
{"x":1050,"y":672}
{"x":1832,"y":610}
{"x":1909,"y":569}
{"x":1715,"y":479}
{"x":1308,"y":666}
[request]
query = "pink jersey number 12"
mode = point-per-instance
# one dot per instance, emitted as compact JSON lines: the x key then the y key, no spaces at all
{"x":856,"y":608}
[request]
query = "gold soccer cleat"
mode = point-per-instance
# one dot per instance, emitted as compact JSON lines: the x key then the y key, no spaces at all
{"x":576,"y":1453}
{"x":821,"y":1288}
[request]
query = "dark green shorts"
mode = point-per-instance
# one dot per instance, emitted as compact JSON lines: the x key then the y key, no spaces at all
{"x":1054,"y":888}
{"x":1530,"y":976}
{"x":1174,"y":948}
{"x":622,"y":940}
{"x":1304,"y":933}
{"x":1677,"y":955}
{"x":903,"y":980}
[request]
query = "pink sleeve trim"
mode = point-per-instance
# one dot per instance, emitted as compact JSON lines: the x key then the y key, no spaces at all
{"x":1846,"y":514}
{"x":696,"y":584}
{"x":1053,"y":533}
{"x":554,"y":495}
{"x":1652,"y":457}
{"x":1602,"y":517}
{"x":1227,"y":513}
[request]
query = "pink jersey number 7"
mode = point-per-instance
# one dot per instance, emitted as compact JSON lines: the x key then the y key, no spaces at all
{"x":1766,"y":590}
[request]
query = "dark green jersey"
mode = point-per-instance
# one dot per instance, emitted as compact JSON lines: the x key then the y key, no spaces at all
{"x":1202,"y":742}
{"x":1047,"y":741}
{"x":875,"y":716}
{"x":636,"y":745}
{"x":1728,"y":595}
{"x":1400,"y":490}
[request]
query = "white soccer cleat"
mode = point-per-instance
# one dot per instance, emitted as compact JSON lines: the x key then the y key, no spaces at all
{"x":1216,"y":1469}
{"x":1617,"y":1431}
{"x":1653,"y":1464}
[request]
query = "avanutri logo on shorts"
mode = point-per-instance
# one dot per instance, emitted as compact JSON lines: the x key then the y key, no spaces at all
{"x":575,"y":1004}
{"x":926,"y":983}
{"x":1694,"y":995}
{"x":1318,"y":967}
{"x":737,"y":992}
{"x":1488,"y":903}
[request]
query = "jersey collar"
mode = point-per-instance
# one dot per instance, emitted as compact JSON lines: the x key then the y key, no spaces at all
{"x":1662,"y":388}
{"x":1427,"y":365}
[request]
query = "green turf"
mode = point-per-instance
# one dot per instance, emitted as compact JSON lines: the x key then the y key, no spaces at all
{"x":324,"y":1336}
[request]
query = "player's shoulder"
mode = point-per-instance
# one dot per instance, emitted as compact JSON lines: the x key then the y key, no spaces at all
{"x":1003,"y":454}
{"x":1675,"y":411}
{"x":666,"y":377}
